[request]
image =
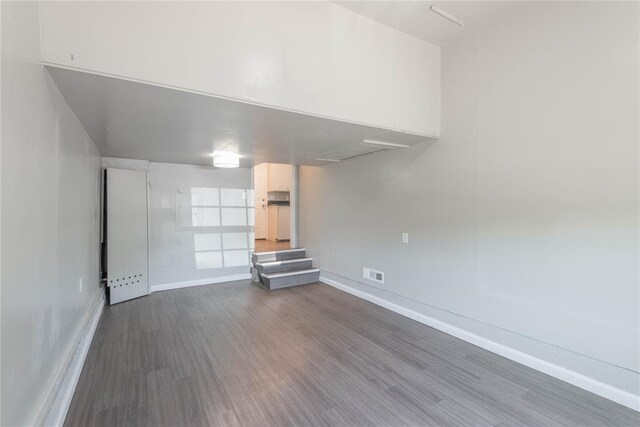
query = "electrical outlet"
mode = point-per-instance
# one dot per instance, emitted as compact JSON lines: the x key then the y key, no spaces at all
{"x":405,"y":238}
{"x":369,"y":274}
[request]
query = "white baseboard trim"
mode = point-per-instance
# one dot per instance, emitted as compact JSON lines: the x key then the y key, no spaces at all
{"x":69,"y":379}
{"x":601,"y":389}
{"x":199,"y":282}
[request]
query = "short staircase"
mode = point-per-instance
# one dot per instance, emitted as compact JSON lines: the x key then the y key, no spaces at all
{"x":283,"y":269}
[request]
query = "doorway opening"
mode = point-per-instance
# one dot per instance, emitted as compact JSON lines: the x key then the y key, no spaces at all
{"x":274,"y":186}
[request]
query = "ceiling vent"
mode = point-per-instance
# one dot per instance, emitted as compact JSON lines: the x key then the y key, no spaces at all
{"x":447,"y":15}
{"x":383,"y":144}
{"x":365,"y":148}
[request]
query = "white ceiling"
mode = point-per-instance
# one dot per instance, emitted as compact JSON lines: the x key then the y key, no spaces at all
{"x":415,"y":17}
{"x":140,"y":121}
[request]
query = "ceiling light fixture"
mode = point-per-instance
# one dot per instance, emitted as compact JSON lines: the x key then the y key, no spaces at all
{"x":446,"y":15}
{"x":383,"y":144}
{"x":322,"y":159}
{"x":226,"y":159}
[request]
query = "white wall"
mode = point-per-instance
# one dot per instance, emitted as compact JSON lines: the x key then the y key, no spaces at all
{"x":50,"y":223}
{"x":200,"y":222}
{"x":183,"y":248}
{"x":523,"y":219}
{"x":311,"y":57}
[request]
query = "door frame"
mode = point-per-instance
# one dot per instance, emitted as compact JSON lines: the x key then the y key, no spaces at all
{"x":256,"y":203}
{"x":293,"y":205}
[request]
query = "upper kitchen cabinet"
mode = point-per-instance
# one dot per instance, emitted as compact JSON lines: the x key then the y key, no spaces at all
{"x":315,"y":58}
{"x":279,"y":177}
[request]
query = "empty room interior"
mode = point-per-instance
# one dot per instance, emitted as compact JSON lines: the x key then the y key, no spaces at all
{"x":320,"y":213}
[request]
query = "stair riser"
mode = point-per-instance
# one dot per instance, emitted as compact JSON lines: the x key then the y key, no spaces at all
{"x":298,"y":265}
{"x":255,"y":275}
{"x":286,"y":281}
{"x":277,"y":256}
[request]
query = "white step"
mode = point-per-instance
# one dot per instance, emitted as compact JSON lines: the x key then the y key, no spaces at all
{"x":277,"y":255}
{"x":291,"y":278}
{"x":285,"y":265}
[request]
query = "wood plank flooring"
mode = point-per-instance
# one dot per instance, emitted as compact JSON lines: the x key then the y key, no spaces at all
{"x":235,"y":354}
{"x":263,"y":245}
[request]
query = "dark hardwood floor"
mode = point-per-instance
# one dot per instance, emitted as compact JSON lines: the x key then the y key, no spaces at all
{"x":235,"y":354}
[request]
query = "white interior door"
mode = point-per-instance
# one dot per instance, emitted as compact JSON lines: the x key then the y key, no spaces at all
{"x":260,"y":191}
{"x":127,"y":246}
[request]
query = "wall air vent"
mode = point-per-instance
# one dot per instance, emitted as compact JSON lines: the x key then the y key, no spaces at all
{"x":373,"y":275}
